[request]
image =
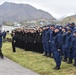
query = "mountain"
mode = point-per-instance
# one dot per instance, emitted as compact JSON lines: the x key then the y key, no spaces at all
{"x":68,"y":19}
{"x":10,"y":12}
{"x":62,"y":17}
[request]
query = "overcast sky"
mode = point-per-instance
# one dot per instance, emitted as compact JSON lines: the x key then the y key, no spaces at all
{"x":57,"y":8}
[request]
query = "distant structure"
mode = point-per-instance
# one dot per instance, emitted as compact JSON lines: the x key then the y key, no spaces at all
{"x":1,"y":27}
{"x":16,"y":24}
{"x":8,"y":28}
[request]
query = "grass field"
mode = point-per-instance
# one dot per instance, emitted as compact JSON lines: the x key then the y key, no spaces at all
{"x":36,"y":62}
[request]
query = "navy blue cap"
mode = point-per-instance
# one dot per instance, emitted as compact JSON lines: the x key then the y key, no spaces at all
{"x":69,"y":29}
{"x":74,"y":31}
{"x":44,"y":26}
{"x":72,"y":23}
{"x":60,"y":26}
{"x":67,"y":25}
{"x":57,"y":27}
{"x":53,"y":25}
{"x":48,"y":25}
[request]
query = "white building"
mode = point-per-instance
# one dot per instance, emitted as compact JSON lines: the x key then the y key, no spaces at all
{"x":8,"y":28}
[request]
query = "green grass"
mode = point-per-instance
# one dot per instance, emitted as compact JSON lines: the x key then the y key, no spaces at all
{"x":36,"y":62}
{"x":8,"y":35}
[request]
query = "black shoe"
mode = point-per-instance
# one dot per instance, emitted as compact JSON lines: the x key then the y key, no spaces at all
{"x":74,"y":64}
{"x":64,"y":60}
{"x":49,"y":55}
{"x":57,"y":68}
{"x":52,"y":56}
{"x":69,"y":62}
{"x":45,"y":55}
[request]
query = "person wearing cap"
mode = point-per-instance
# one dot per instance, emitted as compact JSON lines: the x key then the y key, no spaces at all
{"x":48,"y":41}
{"x":44,"y":37}
{"x":67,"y":54}
{"x":39,"y":40}
{"x":67,"y":26}
{"x":56,"y":48}
{"x":13,"y":34}
{"x":43,"y":40}
{"x":72,"y":25}
{"x":51,"y":39}
{"x":63,"y":41}
{"x":73,"y":46}
{"x":36,"y":41}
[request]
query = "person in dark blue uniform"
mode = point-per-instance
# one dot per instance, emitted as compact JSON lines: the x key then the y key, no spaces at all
{"x":73,"y":46}
{"x":63,"y":44}
{"x":72,"y":26}
{"x":43,"y":40}
{"x":67,"y":26}
{"x":1,"y":54}
{"x":68,"y":51}
{"x":51,"y":39}
{"x":47,"y":41}
{"x":56,"y":48}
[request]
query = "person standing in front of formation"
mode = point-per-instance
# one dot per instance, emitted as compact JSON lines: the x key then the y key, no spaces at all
{"x":1,"y":54}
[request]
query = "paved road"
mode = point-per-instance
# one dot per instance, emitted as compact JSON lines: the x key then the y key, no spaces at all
{"x":8,"y":67}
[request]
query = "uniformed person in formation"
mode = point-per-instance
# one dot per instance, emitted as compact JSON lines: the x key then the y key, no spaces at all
{"x":53,"y":41}
{"x":56,"y":48}
{"x":13,"y":41}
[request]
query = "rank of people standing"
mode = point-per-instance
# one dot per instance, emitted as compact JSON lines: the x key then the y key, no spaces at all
{"x":53,"y":41}
{"x":28,"y":39}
